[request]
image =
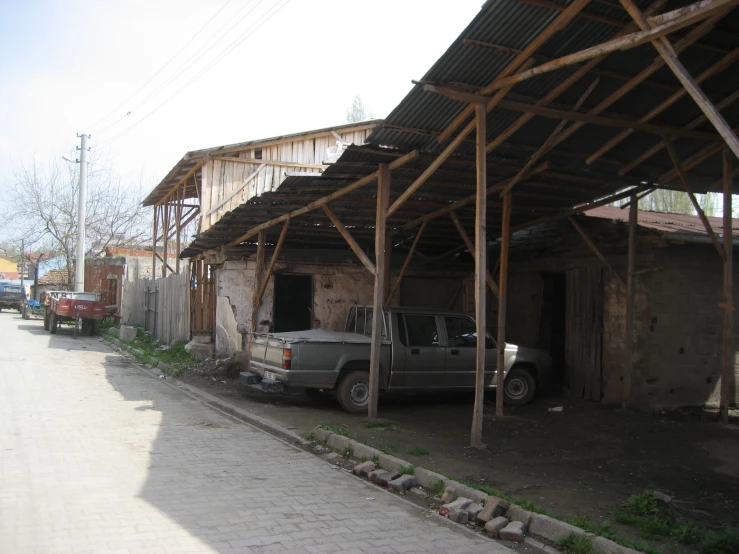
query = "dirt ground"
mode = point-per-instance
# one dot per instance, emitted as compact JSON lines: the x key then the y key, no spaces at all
{"x":583,"y":461}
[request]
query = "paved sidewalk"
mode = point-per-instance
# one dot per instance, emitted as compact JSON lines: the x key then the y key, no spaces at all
{"x":97,"y":456}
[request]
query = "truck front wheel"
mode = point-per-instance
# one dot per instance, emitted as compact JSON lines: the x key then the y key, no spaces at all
{"x":46,"y":320}
{"x":519,"y":387}
{"x":353,"y":392}
{"x":53,"y":322}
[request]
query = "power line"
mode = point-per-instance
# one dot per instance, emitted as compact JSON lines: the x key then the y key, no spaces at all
{"x":157,"y":73}
{"x":260,"y":22}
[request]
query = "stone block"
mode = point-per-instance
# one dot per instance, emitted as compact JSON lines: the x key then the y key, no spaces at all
{"x":203,"y":339}
{"x":338,"y":442}
{"x":114,"y":331}
{"x":427,"y":478}
{"x":364,"y":451}
{"x":494,"y":507}
{"x":605,"y":546}
{"x":364,"y":469}
{"x":391,"y":463}
{"x":517,"y":513}
{"x":460,"y":503}
{"x":474,"y":510}
{"x":199,"y":351}
{"x":382,"y":477}
{"x":402,"y":483}
{"x":493,"y":527}
{"x":468,"y":492}
{"x":550,"y":528}
{"x":128,"y":332}
{"x":458,"y":516}
{"x":514,"y":531}
{"x":321,"y":434}
{"x":450,"y":493}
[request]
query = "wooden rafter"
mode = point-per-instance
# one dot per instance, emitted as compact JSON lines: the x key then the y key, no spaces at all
{"x":668,"y":53}
{"x":272,"y":262}
{"x":366,"y":262}
{"x":594,"y":248}
{"x":471,"y":248}
{"x":406,"y":263}
{"x":259,"y":161}
{"x":249,"y":178}
{"x":258,"y":274}
{"x":727,"y":353}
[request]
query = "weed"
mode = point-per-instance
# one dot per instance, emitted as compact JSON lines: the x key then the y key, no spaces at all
{"x":337,"y":430}
{"x":575,"y":544}
{"x":531,"y":507}
{"x":407,"y":470}
{"x":310,"y":436}
{"x":720,"y":542}
{"x":388,"y":449}
{"x":376,"y":423}
{"x":375,"y":459}
{"x":348,"y":451}
{"x":438,"y":487}
{"x":418,"y":451}
{"x":587,"y":524}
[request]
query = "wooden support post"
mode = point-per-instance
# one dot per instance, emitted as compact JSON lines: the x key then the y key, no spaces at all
{"x":165,"y":233}
{"x":154,"y":234}
{"x":383,"y":200}
{"x":258,"y":271}
{"x":665,"y":49}
{"x":407,"y":262}
{"x":481,"y":271}
{"x":505,"y":242}
{"x":630,"y":301}
{"x":727,"y":346}
{"x":272,"y":263}
{"x":693,"y":200}
{"x":471,"y":248}
{"x":388,"y":259}
{"x":178,"y":225}
{"x":366,"y":262}
{"x":595,"y":249}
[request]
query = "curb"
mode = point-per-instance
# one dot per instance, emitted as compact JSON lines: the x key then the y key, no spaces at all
{"x":537,"y":524}
{"x":215,"y":402}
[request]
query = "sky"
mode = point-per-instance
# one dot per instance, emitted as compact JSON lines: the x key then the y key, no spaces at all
{"x":66,"y":65}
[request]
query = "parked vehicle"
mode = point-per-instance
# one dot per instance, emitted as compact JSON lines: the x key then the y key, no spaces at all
{"x":33,"y":308}
{"x":421,"y":350}
{"x":12,"y":297}
{"x":72,"y":306}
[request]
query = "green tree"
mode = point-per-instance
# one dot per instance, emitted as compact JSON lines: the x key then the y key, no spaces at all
{"x":358,"y":111}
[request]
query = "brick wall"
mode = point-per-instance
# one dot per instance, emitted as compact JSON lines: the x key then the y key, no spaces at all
{"x":105,"y":275}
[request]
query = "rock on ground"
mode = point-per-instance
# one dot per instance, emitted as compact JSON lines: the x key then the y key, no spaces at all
{"x":364,"y":469}
{"x":494,"y":507}
{"x":402,"y":483}
{"x":514,"y":531}
{"x":199,"y":350}
{"x":493,"y":527}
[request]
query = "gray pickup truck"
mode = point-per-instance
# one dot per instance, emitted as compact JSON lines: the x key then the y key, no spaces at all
{"x":422,"y":350}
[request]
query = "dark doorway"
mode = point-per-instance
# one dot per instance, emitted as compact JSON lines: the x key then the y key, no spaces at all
{"x":552,"y":331}
{"x":293,"y":303}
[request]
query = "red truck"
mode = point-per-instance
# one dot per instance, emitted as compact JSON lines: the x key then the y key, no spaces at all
{"x":72,"y":306}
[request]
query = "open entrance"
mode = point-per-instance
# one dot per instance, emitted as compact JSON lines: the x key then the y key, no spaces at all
{"x":293,"y":303}
{"x":553,"y":324}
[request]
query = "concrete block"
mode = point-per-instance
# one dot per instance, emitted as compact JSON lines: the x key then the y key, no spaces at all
{"x":450,"y":493}
{"x":474,"y":510}
{"x":364,"y":451}
{"x":402,"y":483}
{"x":551,"y":528}
{"x":460,"y":503}
{"x":382,"y":477}
{"x":427,"y":478}
{"x":514,"y":531}
{"x":604,"y":546}
{"x":321,"y":434}
{"x":517,"y":513}
{"x":494,"y":507}
{"x":468,"y":492}
{"x":115,"y":331}
{"x":364,"y":469}
{"x":493,"y":527}
{"x":128,"y":332}
{"x":391,"y":463}
{"x":338,"y":442}
{"x":458,"y":516}
{"x":199,"y":351}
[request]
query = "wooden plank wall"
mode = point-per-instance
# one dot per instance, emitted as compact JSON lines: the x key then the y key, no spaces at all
{"x":201,"y":283}
{"x":133,"y":302}
{"x":220,"y":179}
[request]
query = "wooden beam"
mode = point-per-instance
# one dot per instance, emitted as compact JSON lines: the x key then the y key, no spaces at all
{"x":383,"y":199}
{"x":502,"y":304}
{"x":481,"y":270}
{"x":559,"y":23}
{"x":162,"y":260}
{"x":258,"y":272}
{"x":366,"y":262}
{"x":155,"y":232}
{"x":165,"y":234}
{"x":727,"y":350}
{"x":325,"y":200}
{"x":406,"y":263}
{"x":471,"y":248}
{"x":183,"y":179}
{"x":664,"y":24}
{"x":178,"y":228}
{"x":594,"y":248}
{"x":716,"y":68}
{"x":272,"y":262}
{"x":259,"y":161}
{"x":236,"y":191}
{"x":696,"y":205}
{"x":665,"y":49}
{"x":630,"y":304}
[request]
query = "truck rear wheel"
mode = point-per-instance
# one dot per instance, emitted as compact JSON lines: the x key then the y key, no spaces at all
{"x":353,"y":392}
{"x":46,"y":320}
{"x":53,"y":322}
{"x":519,"y":387}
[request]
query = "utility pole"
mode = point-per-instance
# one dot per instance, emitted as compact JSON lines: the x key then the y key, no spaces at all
{"x":23,"y":262}
{"x":79,"y":276}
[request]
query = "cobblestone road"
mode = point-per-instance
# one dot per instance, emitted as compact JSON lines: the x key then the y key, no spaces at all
{"x":97,"y":456}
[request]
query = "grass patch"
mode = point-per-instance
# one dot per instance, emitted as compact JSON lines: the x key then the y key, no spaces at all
{"x":438,"y":487}
{"x":376,"y":423}
{"x":418,"y":451}
{"x":174,"y":354}
{"x":388,"y":449}
{"x":310,"y":436}
{"x":575,"y":544}
{"x":587,"y":524}
{"x":348,"y":451}
{"x":407,"y":470}
{"x":375,"y":459}
{"x":337,"y":430}
{"x":104,"y":326}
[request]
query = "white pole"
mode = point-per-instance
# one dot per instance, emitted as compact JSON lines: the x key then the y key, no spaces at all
{"x":79,"y":277}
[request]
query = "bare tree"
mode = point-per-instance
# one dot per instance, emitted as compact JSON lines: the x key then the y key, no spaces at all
{"x":677,"y":202}
{"x":41,"y":206}
{"x":358,"y":111}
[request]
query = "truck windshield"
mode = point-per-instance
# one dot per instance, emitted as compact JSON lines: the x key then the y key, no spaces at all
{"x":360,"y":321}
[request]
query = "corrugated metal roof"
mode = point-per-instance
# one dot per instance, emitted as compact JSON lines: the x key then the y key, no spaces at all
{"x":682,"y":224}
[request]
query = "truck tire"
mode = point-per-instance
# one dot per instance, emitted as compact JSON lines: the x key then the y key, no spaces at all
{"x":92,"y":327}
{"x":53,"y":322}
{"x":46,"y":320}
{"x":353,"y":392}
{"x":519,"y":387}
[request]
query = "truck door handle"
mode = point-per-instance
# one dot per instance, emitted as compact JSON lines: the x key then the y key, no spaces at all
{"x":454,"y":352}
{"x":415,"y":351}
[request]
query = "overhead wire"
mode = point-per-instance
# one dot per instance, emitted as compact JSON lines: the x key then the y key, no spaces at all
{"x":88,"y":127}
{"x":238,"y":41}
